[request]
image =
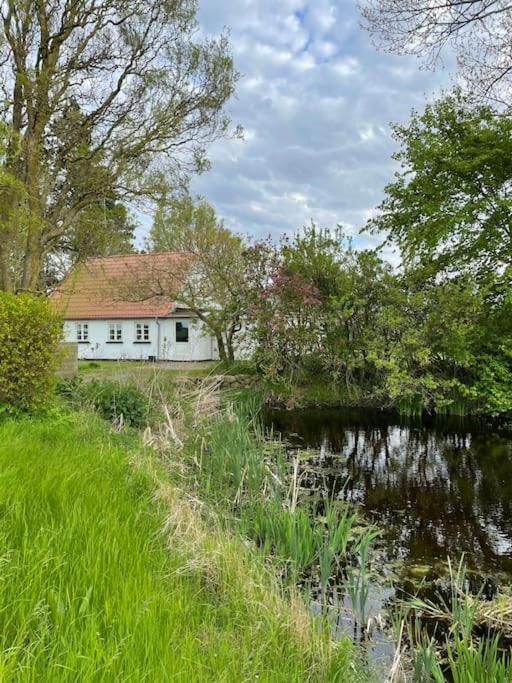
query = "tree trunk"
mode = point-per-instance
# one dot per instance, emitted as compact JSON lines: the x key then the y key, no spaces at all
{"x":32,"y":261}
{"x":236,"y":327}
{"x":230,"y":351}
{"x":222,"y":348}
{"x":6,"y":283}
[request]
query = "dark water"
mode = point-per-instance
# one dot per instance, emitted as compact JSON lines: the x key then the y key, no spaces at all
{"x":437,"y":488}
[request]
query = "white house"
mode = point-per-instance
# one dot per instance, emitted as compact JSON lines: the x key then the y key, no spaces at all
{"x":108,"y":324}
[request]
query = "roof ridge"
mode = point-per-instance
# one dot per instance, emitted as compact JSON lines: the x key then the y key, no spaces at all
{"x":133,"y":255}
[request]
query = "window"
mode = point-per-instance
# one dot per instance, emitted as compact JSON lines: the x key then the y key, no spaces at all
{"x":142,"y":332}
{"x":82,"y":332}
{"x":182,"y":332}
{"x":115,"y":332}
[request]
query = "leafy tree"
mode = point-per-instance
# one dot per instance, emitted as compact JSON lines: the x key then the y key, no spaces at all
{"x":105,"y":99}
{"x":477,"y":31}
{"x":450,"y":207}
{"x":323,"y":311}
{"x":103,"y":229}
{"x":314,"y":314}
{"x":215,"y":289}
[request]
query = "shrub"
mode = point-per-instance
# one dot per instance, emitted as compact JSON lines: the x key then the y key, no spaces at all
{"x":112,"y":400}
{"x":115,"y":401}
{"x":30,"y":332}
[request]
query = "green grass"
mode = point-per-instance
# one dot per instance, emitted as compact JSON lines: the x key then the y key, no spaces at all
{"x":91,"y":589}
{"x":321,"y":394}
{"x":114,"y":368}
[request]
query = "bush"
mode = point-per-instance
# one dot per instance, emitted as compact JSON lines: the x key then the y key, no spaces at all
{"x":112,"y":400}
{"x":30,"y":332}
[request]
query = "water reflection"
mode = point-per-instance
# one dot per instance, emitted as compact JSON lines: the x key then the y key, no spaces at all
{"x":436,"y":488}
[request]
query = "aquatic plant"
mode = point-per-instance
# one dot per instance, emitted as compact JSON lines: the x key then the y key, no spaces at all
{"x":338,"y":530}
{"x":466,"y":661}
{"x":470,"y":652}
{"x":358,"y":577}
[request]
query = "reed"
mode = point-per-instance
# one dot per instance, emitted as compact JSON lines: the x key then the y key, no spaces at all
{"x":466,"y":661}
{"x":358,"y":577}
{"x":470,"y":652}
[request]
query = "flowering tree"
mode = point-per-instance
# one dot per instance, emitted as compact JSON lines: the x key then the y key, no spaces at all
{"x":286,"y":323}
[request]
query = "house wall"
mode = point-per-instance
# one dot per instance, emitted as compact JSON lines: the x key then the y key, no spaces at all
{"x":162,"y":340}
{"x":200,"y":346}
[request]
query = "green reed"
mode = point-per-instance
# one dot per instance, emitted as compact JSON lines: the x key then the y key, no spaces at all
{"x":470,"y":652}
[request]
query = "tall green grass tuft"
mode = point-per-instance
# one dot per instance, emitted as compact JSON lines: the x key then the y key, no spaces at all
{"x":471,"y":651}
{"x":255,"y":489}
{"x":91,"y":590}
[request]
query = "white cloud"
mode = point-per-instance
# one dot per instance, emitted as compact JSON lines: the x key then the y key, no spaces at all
{"x":315,"y":99}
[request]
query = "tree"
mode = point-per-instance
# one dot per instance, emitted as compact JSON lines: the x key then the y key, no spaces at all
{"x":322,"y":311}
{"x":314,"y":314}
{"x":478,"y":31}
{"x":102,"y":100}
{"x":215,"y":288}
{"x":450,"y":207}
{"x":103,"y":229}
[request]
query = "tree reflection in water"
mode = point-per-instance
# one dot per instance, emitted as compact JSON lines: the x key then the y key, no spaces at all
{"x":436,"y":488}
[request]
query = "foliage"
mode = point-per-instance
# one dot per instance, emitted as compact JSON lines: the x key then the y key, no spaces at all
{"x":473,"y":648}
{"x":103,"y":229}
{"x":93,"y":589}
{"x":285,"y":303}
{"x":106,"y":101}
{"x":116,"y":402}
{"x":305,"y":542}
{"x":214,"y":290}
{"x":228,"y":461}
{"x":330,"y":313}
{"x":29,"y":335}
{"x":450,"y":208}
{"x":434,"y":335}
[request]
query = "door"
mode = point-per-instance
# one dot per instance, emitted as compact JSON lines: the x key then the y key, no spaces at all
{"x":182,"y":342}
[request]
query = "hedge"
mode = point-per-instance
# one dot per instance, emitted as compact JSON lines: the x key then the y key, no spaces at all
{"x":30,"y":332}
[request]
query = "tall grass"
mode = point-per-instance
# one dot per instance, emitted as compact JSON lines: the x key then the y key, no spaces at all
{"x":471,"y":651}
{"x":90,"y":589}
{"x":255,"y":488}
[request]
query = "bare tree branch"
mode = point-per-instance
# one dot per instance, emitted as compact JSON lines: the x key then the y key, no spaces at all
{"x":477,"y":31}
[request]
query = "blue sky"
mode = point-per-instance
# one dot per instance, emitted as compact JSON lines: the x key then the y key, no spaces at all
{"x":315,"y":99}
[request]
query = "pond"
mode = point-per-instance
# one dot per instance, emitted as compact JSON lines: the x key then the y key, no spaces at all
{"x":436,"y":487}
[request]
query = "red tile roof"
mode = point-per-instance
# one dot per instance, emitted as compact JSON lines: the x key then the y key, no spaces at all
{"x":122,"y":286}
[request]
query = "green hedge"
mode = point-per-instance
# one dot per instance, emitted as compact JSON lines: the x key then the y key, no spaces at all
{"x":30,"y":332}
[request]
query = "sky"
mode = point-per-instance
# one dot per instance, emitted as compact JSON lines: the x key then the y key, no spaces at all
{"x":315,"y":99}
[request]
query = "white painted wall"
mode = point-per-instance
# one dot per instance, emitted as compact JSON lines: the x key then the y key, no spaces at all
{"x":199,"y":347}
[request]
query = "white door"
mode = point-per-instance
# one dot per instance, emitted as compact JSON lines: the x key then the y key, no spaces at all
{"x":181,"y":334}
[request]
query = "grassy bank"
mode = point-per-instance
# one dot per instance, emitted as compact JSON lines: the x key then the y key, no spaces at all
{"x":318,"y":395}
{"x":109,"y":573}
{"x":308,"y":394}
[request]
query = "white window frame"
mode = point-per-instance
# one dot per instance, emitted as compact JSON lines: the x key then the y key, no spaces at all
{"x":115,"y":332}
{"x":82,"y":332}
{"x":142,"y":333}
